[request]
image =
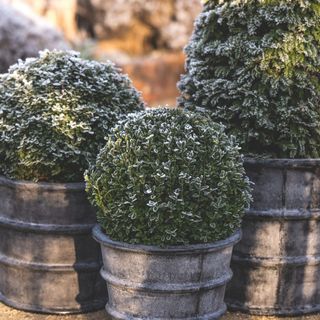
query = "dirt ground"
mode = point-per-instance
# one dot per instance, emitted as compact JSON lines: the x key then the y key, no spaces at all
{"x":7,"y":313}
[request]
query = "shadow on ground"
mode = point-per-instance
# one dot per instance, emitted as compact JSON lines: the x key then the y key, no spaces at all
{"x":7,"y":313}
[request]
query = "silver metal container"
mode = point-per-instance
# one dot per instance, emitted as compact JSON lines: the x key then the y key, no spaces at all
{"x":48,"y":260}
{"x":148,"y":282}
{"x":277,"y":263}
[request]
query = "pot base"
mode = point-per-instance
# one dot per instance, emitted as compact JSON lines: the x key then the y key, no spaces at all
{"x":121,"y":316}
{"x":273,"y":312}
{"x":93,"y":306}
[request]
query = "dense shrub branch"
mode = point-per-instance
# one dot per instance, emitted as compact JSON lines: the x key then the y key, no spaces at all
{"x":55,"y":112}
{"x":255,"y":66}
{"x":166,"y":177}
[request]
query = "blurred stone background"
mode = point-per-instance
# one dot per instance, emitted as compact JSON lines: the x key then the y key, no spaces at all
{"x":144,"y":37}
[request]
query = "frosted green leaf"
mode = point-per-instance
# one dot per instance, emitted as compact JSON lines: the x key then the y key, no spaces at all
{"x":177,"y":195}
{"x":254,"y":66}
{"x":55,"y":112}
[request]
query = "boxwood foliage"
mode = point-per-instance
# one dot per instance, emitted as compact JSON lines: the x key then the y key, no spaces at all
{"x":168,"y":177}
{"x":255,"y":65}
{"x":55,"y":111}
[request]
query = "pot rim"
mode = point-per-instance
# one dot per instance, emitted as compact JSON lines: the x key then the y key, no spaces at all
{"x":54,"y":186}
{"x":105,"y":241}
{"x":282,"y":162}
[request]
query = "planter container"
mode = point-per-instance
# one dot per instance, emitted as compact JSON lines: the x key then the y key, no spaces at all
{"x":277,"y":264}
{"x":48,"y":261}
{"x":183,"y":282}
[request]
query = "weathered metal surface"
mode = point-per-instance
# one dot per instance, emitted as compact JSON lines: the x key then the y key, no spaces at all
{"x":277,"y":263}
{"x":147,"y":282}
{"x":48,"y":260}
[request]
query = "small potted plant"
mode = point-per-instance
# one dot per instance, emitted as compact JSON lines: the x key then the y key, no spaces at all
{"x":254,"y":66}
{"x":170,"y":191}
{"x":55,"y":111}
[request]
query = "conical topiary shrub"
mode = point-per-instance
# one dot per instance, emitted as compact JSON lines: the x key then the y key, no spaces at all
{"x":255,"y":65}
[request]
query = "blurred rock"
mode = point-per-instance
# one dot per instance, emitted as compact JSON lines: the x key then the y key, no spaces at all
{"x":144,"y":37}
{"x":62,"y":14}
{"x":176,"y":34}
{"x":154,"y":75}
{"x":23,"y":34}
{"x":144,"y":25}
{"x":135,"y":26}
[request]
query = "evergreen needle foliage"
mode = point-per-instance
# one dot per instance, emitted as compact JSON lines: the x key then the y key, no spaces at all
{"x":255,"y":66}
{"x":55,"y":111}
{"x":168,"y":177}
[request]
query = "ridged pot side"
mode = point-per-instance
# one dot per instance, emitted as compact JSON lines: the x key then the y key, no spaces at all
{"x":277,"y":263}
{"x":146,"y":282}
{"x":48,"y":260}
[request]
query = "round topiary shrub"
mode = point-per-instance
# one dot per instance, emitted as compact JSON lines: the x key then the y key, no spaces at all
{"x":55,"y":112}
{"x":168,"y":177}
{"x":255,"y":66}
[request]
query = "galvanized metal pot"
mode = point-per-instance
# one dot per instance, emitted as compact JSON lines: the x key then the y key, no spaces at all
{"x":48,"y":260}
{"x":148,"y":282}
{"x":277,"y":263}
